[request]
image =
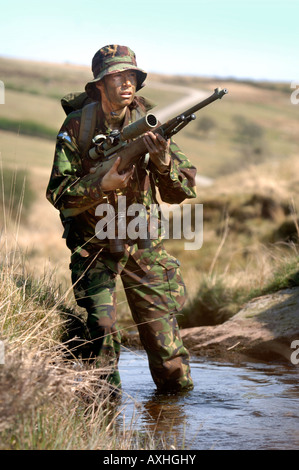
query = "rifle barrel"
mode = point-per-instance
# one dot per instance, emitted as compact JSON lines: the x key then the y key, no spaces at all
{"x":218,"y":93}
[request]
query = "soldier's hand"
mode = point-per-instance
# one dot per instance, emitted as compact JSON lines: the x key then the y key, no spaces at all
{"x":158,"y":149}
{"x":113,"y":180}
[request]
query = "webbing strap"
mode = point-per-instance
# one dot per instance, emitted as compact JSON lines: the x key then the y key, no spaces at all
{"x":87,"y":126}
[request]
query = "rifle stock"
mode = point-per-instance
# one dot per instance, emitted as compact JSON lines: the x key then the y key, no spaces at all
{"x":130,"y":152}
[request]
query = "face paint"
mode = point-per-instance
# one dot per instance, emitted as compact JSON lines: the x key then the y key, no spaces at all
{"x":118,"y":90}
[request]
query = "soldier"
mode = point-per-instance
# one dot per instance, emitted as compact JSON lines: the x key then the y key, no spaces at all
{"x":151,"y":277}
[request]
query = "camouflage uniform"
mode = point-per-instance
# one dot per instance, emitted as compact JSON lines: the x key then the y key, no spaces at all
{"x":151,"y":277}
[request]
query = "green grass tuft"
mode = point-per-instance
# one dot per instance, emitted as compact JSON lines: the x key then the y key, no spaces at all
{"x":31,"y":128}
{"x":16,"y":195}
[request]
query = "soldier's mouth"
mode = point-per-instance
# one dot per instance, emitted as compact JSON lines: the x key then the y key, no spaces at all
{"x":126,"y":94}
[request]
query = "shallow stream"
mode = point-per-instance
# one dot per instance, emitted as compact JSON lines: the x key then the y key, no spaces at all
{"x":254,"y":406}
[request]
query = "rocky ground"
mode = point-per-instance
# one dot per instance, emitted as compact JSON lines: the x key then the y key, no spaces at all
{"x":264,"y":330}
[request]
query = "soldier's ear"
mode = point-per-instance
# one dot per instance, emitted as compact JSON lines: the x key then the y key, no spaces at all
{"x":99,"y":85}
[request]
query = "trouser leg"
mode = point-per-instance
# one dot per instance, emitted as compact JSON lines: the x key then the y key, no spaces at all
{"x":94,"y":289}
{"x":154,"y":297}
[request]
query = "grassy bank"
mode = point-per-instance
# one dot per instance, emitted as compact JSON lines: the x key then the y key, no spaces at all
{"x":219,"y":297}
{"x":49,"y":399}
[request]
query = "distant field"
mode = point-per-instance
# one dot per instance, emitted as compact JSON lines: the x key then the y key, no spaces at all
{"x":33,"y":92}
{"x":24,"y":106}
{"x":220,"y":150}
{"x":26,"y":152}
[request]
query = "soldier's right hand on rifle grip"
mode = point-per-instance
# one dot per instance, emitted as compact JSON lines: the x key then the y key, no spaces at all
{"x":113,"y":180}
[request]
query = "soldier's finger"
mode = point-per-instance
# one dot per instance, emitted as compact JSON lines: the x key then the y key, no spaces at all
{"x":115,"y":165}
{"x":127,"y":176}
{"x":159,"y":143}
{"x":162,"y":141}
{"x":132,"y":172}
{"x":149,"y":144}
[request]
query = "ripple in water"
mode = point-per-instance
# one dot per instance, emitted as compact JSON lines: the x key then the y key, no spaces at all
{"x":254,"y":406}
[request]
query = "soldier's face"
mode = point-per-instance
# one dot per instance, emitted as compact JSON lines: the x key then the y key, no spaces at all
{"x":119,"y":88}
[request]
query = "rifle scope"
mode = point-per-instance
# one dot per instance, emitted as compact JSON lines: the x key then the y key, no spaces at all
{"x":137,"y":128}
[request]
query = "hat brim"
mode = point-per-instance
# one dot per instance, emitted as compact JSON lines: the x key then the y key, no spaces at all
{"x":92,"y":91}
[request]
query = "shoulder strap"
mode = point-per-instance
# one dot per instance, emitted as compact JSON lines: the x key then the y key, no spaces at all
{"x":87,"y":126}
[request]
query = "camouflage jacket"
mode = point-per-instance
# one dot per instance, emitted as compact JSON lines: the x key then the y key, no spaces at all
{"x":73,"y":192}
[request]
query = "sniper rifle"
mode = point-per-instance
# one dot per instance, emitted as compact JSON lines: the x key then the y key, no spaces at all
{"x":108,"y":148}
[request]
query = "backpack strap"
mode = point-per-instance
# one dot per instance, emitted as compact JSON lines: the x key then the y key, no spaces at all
{"x":87,"y":126}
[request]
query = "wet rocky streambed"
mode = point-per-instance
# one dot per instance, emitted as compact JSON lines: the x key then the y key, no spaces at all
{"x":252,"y":406}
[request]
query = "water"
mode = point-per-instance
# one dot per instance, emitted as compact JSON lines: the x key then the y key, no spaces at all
{"x":254,"y":406}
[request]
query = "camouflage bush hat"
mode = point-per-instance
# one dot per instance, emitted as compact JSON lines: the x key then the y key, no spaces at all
{"x":113,"y":59}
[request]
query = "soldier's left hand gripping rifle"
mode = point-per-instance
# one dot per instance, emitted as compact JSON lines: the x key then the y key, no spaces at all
{"x":108,"y":148}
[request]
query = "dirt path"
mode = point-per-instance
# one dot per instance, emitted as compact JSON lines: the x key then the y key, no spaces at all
{"x":192,"y":96}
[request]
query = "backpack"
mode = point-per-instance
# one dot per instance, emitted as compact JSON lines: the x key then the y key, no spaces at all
{"x":79,"y":100}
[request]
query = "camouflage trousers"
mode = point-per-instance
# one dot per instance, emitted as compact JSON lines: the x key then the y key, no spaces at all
{"x":155,"y":293}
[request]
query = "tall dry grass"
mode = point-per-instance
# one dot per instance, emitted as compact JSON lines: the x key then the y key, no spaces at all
{"x":49,"y":398}
{"x":250,"y":244}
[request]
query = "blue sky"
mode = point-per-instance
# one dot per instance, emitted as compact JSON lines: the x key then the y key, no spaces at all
{"x":229,"y":38}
